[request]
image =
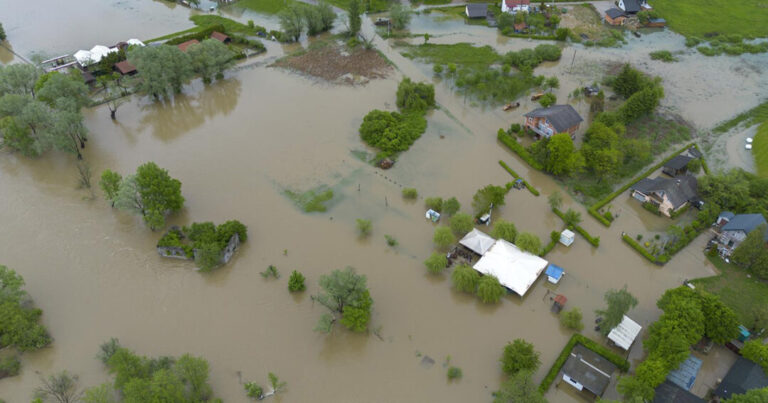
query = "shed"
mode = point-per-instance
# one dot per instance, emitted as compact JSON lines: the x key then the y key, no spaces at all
{"x":477,"y":241}
{"x":476,"y":10}
{"x":432,"y":215}
{"x":223,"y":38}
{"x":567,"y":237}
{"x":743,"y":333}
{"x":656,"y":23}
{"x":588,"y":371}
{"x":677,"y":165}
{"x":516,"y":270}
{"x":614,"y":16}
{"x":743,"y":376}
{"x":668,"y":392}
{"x":125,"y":68}
{"x":685,"y":375}
{"x":184,"y":45}
{"x":625,"y":333}
{"x":554,"y":273}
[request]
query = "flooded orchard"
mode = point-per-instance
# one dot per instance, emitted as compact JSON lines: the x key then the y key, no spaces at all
{"x":237,"y":145}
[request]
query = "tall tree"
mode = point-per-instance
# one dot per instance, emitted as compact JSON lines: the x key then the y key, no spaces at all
{"x":487,"y":197}
{"x":572,"y":218}
{"x":528,"y":242}
{"x":19,"y":325}
{"x":461,"y":223}
{"x":505,"y":230}
{"x":292,"y":22}
{"x":193,"y":371}
{"x":519,"y":388}
{"x":465,"y":278}
{"x":489,"y":290}
{"x":164,"y":69}
{"x":210,"y":58}
{"x":519,"y":356}
{"x":555,"y":200}
{"x":618,"y":302}
{"x":61,"y":387}
{"x":151,"y":192}
{"x":342,"y":289}
{"x":18,"y":79}
{"x":562,"y":157}
{"x":400,"y":16}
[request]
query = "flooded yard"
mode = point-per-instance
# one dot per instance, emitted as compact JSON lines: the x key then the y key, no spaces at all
{"x":238,"y":144}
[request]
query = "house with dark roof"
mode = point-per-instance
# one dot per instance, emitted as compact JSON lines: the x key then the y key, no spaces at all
{"x":184,"y":45}
{"x":587,"y":371}
{"x":631,"y":6}
{"x":513,"y":6}
{"x":552,"y":120}
{"x":668,"y":392}
{"x":614,"y":16}
{"x":677,"y":165}
{"x":668,"y":194}
{"x":476,"y":10}
{"x":743,"y":376}
{"x":734,"y":228}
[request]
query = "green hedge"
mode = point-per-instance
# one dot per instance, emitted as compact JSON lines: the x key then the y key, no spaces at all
{"x":551,"y":245}
{"x":578,"y":338}
{"x":593,"y":210}
{"x":704,"y":165}
{"x":595,"y":241}
{"x":518,"y":149}
{"x":640,"y":249}
{"x":516,"y":176}
{"x":680,"y":211}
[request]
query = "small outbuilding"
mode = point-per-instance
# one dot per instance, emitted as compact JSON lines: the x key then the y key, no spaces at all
{"x":184,"y":45}
{"x":516,"y":269}
{"x":223,"y":38}
{"x":125,"y":68}
{"x":588,"y":371}
{"x":743,"y":376}
{"x":625,"y":333}
{"x":567,"y":237}
{"x":554,"y":273}
{"x":614,"y":16}
{"x":685,"y":375}
{"x":476,"y":10}
{"x":656,"y":23}
{"x":677,"y":165}
{"x":477,"y":241}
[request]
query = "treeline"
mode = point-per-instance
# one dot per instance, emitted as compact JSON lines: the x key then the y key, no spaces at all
{"x":298,"y":17}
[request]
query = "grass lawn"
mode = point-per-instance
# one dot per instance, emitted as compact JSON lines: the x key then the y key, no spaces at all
{"x":231,"y":26}
{"x":753,"y":116}
{"x":697,"y":17}
{"x":760,"y":149}
{"x":175,"y":34}
{"x":735,"y":289}
{"x":461,"y":54}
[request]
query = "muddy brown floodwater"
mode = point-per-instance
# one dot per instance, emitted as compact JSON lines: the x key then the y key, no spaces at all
{"x":236,"y":146}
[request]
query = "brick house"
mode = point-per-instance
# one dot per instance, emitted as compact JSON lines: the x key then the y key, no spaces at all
{"x":546,"y":122}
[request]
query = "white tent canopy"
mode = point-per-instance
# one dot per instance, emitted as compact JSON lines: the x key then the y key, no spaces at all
{"x":477,"y":241}
{"x":625,"y":333}
{"x":515,"y":269}
{"x":99,"y":51}
{"x":83,"y":57}
{"x":134,"y":41}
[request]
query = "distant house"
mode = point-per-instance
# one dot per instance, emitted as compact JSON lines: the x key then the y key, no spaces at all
{"x":521,"y":27}
{"x":632,"y":6}
{"x":614,"y":16}
{"x":514,"y":6}
{"x":476,"y":10}
{"x":223,"y":38}
{"x":668,"y":392}
{"x":184,"y":45}
{"x":125,"y":68}
{"x":735,"y":228}
{"x":588,"y":371}
{"x":743,"y":376}
{"x":668,"y":194}
{"x":555,"y":119}
{"x":677,"y":165}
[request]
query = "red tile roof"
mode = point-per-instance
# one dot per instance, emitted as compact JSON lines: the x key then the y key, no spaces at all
{"x":515,"y":3}
{"x":183,"y":46}
{"x":219,"y":36}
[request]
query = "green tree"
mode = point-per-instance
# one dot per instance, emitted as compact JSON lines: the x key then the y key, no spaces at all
{"x":164,"y":69}
{"x":528,"y":242}
{"x":210,"y":58}
{"x":572,"y":218}
{"x":752,"y":396}
{"x":364,"y":227}
{"x":552,"y":82}
{"x":276,"y":384}
{"x":454,"y":373}
{"x":103,"y":393}
{"x":436,"y":263}
{"x":412,"y":96}
{"x":400,"y":16}
{"x":618,"y":302}
{"x":110,"y":184}
{"x":434,"y":203}
{"x":64,"y":86}
{"x":519,"y":388}
{"x":410,"y":193}
{"x":488,"y":197}
{"x":61,"y":387}
{"x":193,"y":371}
{"x":450,"y":206}
{"x":292,"y":22}
{"x":562,"y":157}
{"x":519,"y":356}
{"x":720,"y":321}
{"x":755,"y":351}
{"x":353,"y":15}
{"x":548,"y":100}
{"x":629,"y":81}
{"x":344,"y":292}
{"x":327,"y":15}
{"x":465,"y":278}
{"x":2,"y":33}
{"x":489,"y":290}
{"x":572,"y":319}
{"x":555,"y":200}
{"x":443,"y":237}
{"x":296,"y":282}
{"x":313,"y":20}
{"x":758,"y":318}
{"x":750,"y":252}
{"x":152,"y":193}
{"x":356,"y":317}
{"x":505,"y":230}
{"x":633,"y":388}
{"x":19,"y":325}
{"x":461,"y":223}
{"x":253,"y":390}
{"x":19,"y":79}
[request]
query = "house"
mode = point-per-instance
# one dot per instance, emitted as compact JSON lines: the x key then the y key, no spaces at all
{"x":555,"y":119}
{"x":743,"y":376}
{"x":668,"y":392}
{"x":125,"y":68}
{"x":513,"y":6}
{"x":625,"y":333}
{"x":516,"y":270}
{"x":476,"y":10}
{"x":677,"y":165}
{"x":184,"y":45}
{"x":632,"y":6}
{"x":614,"y":16}
{"x":735,"y":228}
{"x":587,"y":371}
{"x":668,"y":194}
{"x":223,"y":38}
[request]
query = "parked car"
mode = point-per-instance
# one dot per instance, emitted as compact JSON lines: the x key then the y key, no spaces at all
{"x":748,"y":146}
{"x":749,"y":140}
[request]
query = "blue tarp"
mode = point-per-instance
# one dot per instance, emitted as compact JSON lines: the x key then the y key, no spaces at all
{"x":685,"y":375}
{"x":743,"y":333}
{"x":555,"y":272}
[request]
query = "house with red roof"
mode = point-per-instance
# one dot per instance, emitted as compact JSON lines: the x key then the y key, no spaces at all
{"x":513,"y":6}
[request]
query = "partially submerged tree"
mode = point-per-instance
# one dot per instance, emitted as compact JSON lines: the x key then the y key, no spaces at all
{"x":519,"y":388}
{"x":528,"y":242}
{"x":210,"y":58}
{"x":346,"y":296}
{"x":572,"y":218}
{"x":450,"y":206}
{"x":465,"y":278}
{"x":461,"y":223}
{"x":487,"y":197}
{"x":292,"y":21}
{"x":61,"y":387}
{"x":436,"y":263}
{"x":618,"y":302}
{"x":519,"y":356}
{"x":19,"y":327}
{"x":400,"y":16}
{"x":572,"y":319}
{"x":555,"y":200}
{"x":489,"y":290}
{"x":296,"y":282}
{"x":364,"y":227}
{"x":164,"y":69}
{"x":443,"y":237}
{"x":504,"y":230}
{"x":355,"y":22}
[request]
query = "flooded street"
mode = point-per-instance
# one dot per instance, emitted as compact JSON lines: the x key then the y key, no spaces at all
{"x":238,"y":144}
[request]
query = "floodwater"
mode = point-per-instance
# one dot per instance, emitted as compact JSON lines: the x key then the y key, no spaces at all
{"x":236,"y":146}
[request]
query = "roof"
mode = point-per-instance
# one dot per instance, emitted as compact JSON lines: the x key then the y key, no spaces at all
{"x":625,"y":333}
{"x":727,"y":215}
{"x":477,"y":241}
{"x":614,"y":13}
{"x":136,"y":42}
{"x":516,"y":3}
{"x":561,"y":117}
{"x":668,"y":392}
{"x":477,"y":10}
{"x":694,"y":152}
{"x":743,"y":376}
{"x":679,"y":190}
{"x":589,"y":369}
{"x":631,"y":6}
{"x":219,"y":36}
{"x":555,"y":272}
{"x":124,"y":67}
{"x":745,"y":222}
{"x":678,"y":162}
{"x":184,"y":45}
{"x":100,"y":51}
{"x":83,"y":57}
{"x":685,"y":374}
{"x":515,"y":269}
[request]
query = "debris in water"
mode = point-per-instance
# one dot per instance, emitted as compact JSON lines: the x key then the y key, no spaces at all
{"x":427,"y":362}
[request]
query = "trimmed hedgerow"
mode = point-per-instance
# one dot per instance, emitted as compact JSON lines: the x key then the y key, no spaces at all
{"x":516,"y":176}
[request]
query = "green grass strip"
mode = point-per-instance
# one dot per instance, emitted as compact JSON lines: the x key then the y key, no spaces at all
{"x":760,"y":150}
{"x":516,"y":176}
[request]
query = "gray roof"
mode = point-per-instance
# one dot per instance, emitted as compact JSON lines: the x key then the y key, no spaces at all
{"x":745,"y":222}
{"x":693,"y":151}
{"x":561,"y":117}
{"x":680,"y":189}
{"x":743,"y":376}
{"x":589,"y":369}
{"x":668,"y":392}
{"x":678,"y":162}
{"x":614,"y":12}
{"x":727,"y":215}
{"x":477,"y":10}
{"x":631,"y":6}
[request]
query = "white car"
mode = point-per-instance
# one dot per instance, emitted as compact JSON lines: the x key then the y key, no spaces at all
{"x":749,"y":140}
{"x":748,"y":146}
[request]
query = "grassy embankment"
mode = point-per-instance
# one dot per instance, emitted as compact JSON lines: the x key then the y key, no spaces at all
{"x":204,"y":21}
{"x":735,"y":289}
{"x":756,"y":115}
{"x":722,"y":23}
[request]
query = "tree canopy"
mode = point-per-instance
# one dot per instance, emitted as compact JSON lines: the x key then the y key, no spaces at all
{"x":19,"y":327}
{"x":461,"y":223}
{"x":618,"y":302}
{"x":528,"y":242}
{"x":489,"y":290}
{"x":486,"y":197}
{"x":504,"y":230}
{"x":443,"y":237}
{"x":519,"y":388}
{"x":164,"y":69}
{"x":518,"y":356}
{"x":210,"y":58}
{"x":345,"y":295}
{"x":752,"y":254}
{"x":465,"y":278}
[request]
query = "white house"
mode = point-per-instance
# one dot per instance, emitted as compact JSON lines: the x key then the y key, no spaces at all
{"x":513,"y":6}
{"x":633,"y":6}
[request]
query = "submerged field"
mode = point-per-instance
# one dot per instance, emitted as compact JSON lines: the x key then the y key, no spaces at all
{"x":724,"y":17}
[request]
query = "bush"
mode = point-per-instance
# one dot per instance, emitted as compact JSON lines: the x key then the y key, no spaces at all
{"x":415,"y":96}
{"x":436,"y":263}
{"x":450,"y":206}
{"x":400,"y":16}
{"x":489,"y":290}
{"x":364,"y":227}
{"x":391,"y":241}
{"x":519,"y":356}
{"x":10,"y":366}
{"x":518,"y":149}
{"x":254,"y":391}
{"x":663,"y":55}
{"x":461,"y":223}
{"x":437,"y":69}
{"x":548,"y":100}
{"x":454,"y":373}
{"x":465,"y":278}
{"x":392,"y":132}
{"x":515,"y":128}
{"x":434,"y":203}
{"x":572,"y":319}
{"x":692,"y":41}
{"x":410,"y":193}
{"x":528,"y":242}
{"x":443,"y":237}
{"x":296,"y":282}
